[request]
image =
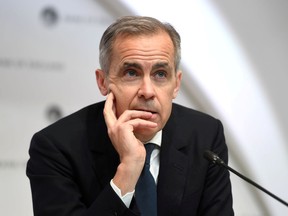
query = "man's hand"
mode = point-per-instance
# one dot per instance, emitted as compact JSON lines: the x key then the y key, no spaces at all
{"x":131,"y":150}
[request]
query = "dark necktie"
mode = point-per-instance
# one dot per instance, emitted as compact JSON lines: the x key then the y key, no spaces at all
{"x":145,"y":192}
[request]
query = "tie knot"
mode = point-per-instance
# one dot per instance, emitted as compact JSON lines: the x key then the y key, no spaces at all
{"x":149,"y":148}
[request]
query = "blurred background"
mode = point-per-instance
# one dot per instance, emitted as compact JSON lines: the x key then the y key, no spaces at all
{"x":234,"y":64}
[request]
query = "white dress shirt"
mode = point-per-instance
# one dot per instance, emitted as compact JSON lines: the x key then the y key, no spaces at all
{"x":154,"y":169}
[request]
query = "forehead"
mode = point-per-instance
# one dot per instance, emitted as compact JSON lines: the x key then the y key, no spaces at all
{"x":153,"y":47}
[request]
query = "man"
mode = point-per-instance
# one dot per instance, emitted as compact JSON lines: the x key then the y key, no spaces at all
{"x":89,"y":163}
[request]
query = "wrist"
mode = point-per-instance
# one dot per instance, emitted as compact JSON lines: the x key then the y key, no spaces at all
{"x":127,"y":175}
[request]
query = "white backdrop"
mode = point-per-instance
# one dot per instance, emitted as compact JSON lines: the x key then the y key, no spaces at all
{"x":49,"y":52}
{"x":47,"y":63}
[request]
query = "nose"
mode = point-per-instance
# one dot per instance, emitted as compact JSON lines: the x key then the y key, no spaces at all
{"x":146,"y":89}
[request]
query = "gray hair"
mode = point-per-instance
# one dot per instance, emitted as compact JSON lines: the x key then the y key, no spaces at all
{"x":135,"y":25}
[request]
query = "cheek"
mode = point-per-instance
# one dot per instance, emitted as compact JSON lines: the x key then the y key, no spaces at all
{"x":166,"y":97}
{"x":166,"y":106}
{"x":166,"y":110}
{"x":120,"y":105}
{"x":123,"y":99}
{"x":164,"y":116}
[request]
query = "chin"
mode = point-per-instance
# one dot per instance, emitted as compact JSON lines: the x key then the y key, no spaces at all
{"x":145,"y":135}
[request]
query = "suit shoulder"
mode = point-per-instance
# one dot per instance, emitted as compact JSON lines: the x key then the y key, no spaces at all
{"x":186,"y":113}
{"x":75,"y":121}
{"x":188,"y":120}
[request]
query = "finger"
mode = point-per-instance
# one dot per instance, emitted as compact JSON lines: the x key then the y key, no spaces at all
{"x":134,"y":114}
{"x":109,"y":110}
{"x":141,"y":123}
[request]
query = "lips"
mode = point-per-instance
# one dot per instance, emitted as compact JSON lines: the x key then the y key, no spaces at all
{"x":146,"y":110}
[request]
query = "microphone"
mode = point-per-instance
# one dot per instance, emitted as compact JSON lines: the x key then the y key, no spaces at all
{"x":214,"y":158}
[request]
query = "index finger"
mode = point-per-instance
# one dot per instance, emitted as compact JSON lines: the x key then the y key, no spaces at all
{"x":109,"y":110}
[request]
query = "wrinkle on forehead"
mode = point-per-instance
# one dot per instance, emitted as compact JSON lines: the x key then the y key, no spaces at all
{"x":153,"y":50}
{"x":159,"y":44}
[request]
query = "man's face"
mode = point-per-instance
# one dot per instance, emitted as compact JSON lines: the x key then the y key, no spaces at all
{"x":142,"y":77}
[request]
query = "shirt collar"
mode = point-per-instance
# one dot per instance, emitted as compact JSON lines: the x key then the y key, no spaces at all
{"x":157,"y":139}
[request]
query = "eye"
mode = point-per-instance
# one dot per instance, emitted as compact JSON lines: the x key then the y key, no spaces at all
{"x":131,"y":73}
{"x":161,"y":74}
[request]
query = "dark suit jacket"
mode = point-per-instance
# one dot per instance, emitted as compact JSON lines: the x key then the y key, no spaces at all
{"x":72,"y":162}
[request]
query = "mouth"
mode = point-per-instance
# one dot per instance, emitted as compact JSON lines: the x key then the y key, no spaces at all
{"x":147,"y":110}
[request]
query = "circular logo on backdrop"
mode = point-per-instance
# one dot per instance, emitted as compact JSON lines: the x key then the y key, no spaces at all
{"x":53,"y":113}
{"x":49,"y":16}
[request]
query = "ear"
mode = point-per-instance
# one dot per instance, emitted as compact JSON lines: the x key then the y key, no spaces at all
{"x":178,"y":84}
{"x":102,"y":81}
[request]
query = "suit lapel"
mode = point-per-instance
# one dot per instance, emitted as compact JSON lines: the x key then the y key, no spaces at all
{"x":173,"y":170}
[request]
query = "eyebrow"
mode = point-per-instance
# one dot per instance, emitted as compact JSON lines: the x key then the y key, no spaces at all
{"x":131,"y":64}
{"x":161,"y":65}
{"x":138,"y":66}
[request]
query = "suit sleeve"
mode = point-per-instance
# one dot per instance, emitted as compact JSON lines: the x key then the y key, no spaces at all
{"x":217,"y":196}
{"x":54,"y":186}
